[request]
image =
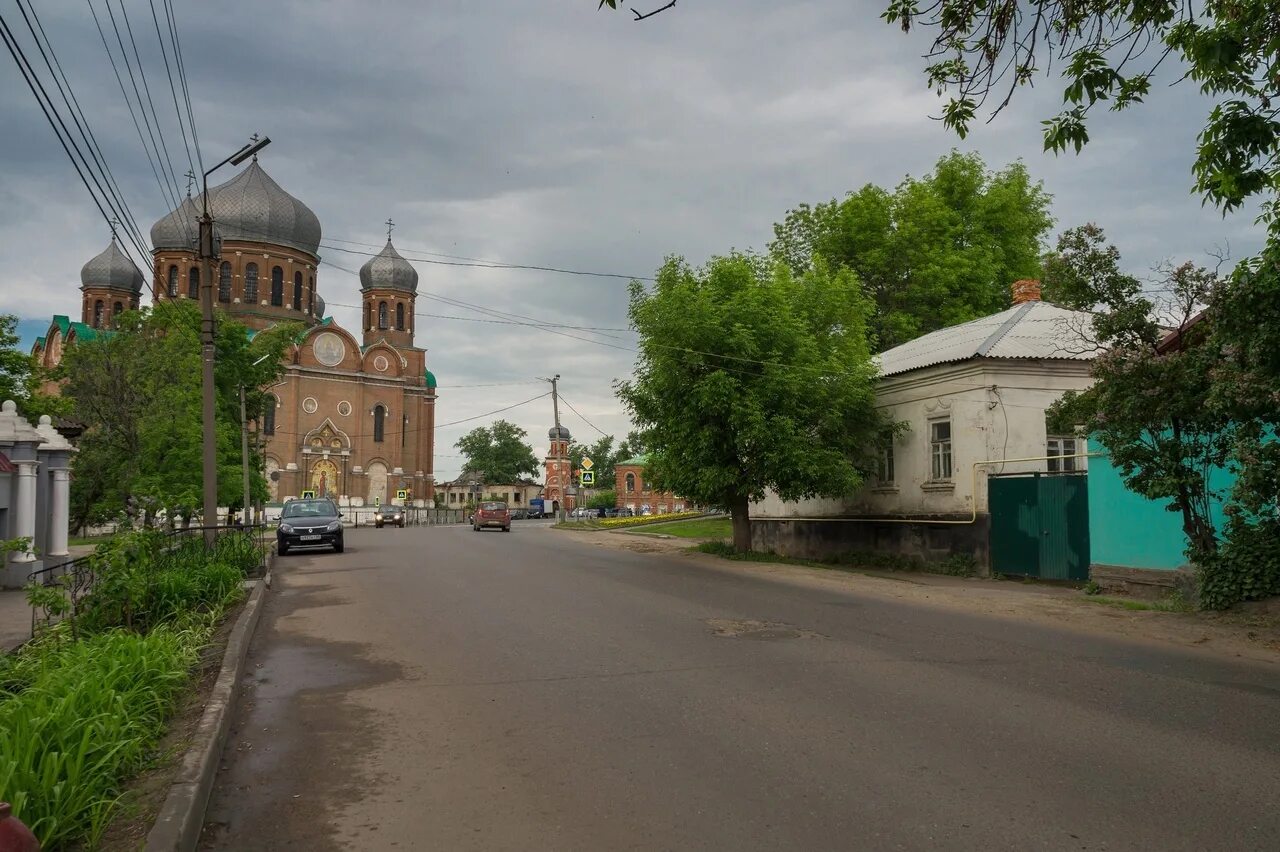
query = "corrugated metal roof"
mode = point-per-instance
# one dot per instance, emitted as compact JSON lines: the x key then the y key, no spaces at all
{"x":1029,"y":330}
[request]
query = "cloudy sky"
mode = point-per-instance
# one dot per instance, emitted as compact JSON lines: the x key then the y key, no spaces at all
{"x":551,"y":134}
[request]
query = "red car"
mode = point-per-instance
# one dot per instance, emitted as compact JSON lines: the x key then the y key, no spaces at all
{"x":492,"y":515}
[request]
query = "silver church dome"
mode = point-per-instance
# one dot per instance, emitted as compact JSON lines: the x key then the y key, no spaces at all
{"x":112,"y":269}
{"x":319,"y":306}
{"x":250,"y":207}
{"x":388,"y":271}
{"x":558,"y":433}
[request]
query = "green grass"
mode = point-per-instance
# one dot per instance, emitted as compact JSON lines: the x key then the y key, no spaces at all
{"x":715,"y":528}
{"x":83,"y":706}
{"x":82,"y":540}
{"x":1173,"y":603}
{"x":89,"y":717}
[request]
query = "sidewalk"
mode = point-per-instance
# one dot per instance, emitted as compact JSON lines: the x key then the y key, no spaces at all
{"x":15,"y":619}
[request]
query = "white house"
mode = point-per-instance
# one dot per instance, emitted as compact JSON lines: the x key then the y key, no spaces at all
{"x":972,"y":400}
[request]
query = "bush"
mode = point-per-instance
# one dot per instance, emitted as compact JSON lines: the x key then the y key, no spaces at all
{"x":89,"y":716}
{"x":1246,"y":567}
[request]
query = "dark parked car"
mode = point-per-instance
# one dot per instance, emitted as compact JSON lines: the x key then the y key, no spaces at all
{"x":493,"y":514}
{"x":309,"y":523}
{"x":393,"y":515}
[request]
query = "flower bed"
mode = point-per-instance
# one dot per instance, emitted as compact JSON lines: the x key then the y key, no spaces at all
{"x":83,"y":705}
{"x":614,"y":523}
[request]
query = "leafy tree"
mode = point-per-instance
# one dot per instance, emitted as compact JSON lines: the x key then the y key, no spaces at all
{"x":603,"y":500}
{"x":1109,"y":52}
{"x":602,"y":455}
{"x":751,"y":378}
{"x":635,"y":444}
{"x":21,"y":376}
{"x":499,"y":452}
{"x":1171,"y":407}
{"x":137,"y":392}
{"x":1147,"y":405}
{"x":936,"y":251}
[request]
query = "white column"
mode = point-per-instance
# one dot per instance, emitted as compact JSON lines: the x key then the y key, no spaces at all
{"x":59,"y":512}
{"x":25,"y":514}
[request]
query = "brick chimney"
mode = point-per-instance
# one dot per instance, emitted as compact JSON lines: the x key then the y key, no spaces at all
{"x":1026,"y":290}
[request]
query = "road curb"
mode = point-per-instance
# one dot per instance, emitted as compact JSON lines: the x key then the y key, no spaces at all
{"x":181,"y":817}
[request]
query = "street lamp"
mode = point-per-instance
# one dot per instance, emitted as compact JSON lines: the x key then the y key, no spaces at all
{"x":244,"y":443}
{"x":207,"y":257}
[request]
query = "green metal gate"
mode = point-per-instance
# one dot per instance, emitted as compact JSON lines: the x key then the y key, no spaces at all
{"x":1040,"y":525}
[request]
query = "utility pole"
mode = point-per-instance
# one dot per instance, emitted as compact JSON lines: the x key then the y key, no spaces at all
{"x":563,"y":475}
{"x":555,"y":400}
{"x":207,"y":253}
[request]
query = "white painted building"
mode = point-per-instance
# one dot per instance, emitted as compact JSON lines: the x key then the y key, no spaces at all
{"x":970,"y":398}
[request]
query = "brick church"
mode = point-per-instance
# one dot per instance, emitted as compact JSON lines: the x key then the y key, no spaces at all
{"x":355,"y":411}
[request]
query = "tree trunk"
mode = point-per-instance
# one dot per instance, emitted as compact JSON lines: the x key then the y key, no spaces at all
{"x":1195,"y":524}
{"x":740,"y":511}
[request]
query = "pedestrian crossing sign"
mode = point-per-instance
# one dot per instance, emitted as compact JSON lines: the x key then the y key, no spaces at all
{"x":308,"y":494}
{"x":588,"y":477}
{"x":402,"y":494}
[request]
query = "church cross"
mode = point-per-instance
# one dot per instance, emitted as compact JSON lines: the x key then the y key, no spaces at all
{"x":191,"y":179}
{"x":389,"y":225}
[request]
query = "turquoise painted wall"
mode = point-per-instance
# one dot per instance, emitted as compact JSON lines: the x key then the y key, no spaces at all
{"x":1130,"y":531}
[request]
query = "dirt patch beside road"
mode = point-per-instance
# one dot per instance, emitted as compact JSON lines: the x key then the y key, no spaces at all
{"x":1238,"y":634}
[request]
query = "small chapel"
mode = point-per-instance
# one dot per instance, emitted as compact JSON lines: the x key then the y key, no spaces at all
{"x":355,"y":411}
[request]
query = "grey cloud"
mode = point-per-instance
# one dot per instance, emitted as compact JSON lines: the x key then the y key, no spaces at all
{"x":551,"y":134}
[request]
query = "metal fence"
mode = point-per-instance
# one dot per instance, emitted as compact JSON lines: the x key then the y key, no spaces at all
{"x":245,"y":546}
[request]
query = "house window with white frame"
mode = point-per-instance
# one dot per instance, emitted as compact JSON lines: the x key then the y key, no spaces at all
{"x":1059,"y":446}
{"x":940,"y":450}
{"x":884,"y":463}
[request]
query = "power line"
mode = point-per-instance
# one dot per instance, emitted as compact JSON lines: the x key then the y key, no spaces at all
{"x":583,"y":419}
{"x":168,"y":201}
{"x":142,"y":72}
{"x":172,"y":88}
{"x":77,"y":114}
{"x":182,"y":75}
{"x":496,"y":411}
{"x":498,"y":265}
{"x":37,"y":90}
{"x":416,"y":430}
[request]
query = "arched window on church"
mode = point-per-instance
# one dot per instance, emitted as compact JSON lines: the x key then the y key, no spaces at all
{"x":400,"y":317}
{"x":269,"y":416}
{"x":224,"y":282}
{"x":277,"y":286}
{"x":193,"y":283}
{"x":173,"y":282}
{"x":97,"y":314}
{"x":251,"y":284}
{"x":631,"y":483}
{"x":379,"y":423}
{"x":368,"y":316}
{"x":116,"y":310}
{"x":382,"y":315}
{"x":297,"y":291}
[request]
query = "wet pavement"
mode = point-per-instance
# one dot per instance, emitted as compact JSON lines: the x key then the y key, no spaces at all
{"x":435,"y":688}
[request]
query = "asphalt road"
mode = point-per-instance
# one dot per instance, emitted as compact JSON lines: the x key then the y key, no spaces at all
{"x":442,"y":689}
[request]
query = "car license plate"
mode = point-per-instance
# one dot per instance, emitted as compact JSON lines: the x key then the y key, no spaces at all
{"x":309,"y":538}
